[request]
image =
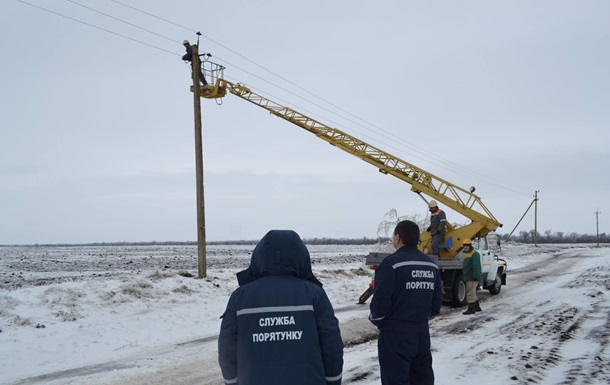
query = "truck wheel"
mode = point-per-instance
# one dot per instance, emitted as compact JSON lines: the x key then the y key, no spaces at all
{"x":497,"y":285}
{"x":458,"y":292}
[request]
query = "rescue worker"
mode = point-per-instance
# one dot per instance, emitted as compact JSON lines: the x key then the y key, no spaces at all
{"x":279,"y":326}
{"x":407,"y":293}
{"x":188,"y":56}
{"x":438,"y":221}
{"x":471,"y":275}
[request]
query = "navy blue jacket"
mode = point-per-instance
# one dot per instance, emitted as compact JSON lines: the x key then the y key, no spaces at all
{"x":279,"y":327}
{"x":407,"y":291}
{"x":188,"y":56}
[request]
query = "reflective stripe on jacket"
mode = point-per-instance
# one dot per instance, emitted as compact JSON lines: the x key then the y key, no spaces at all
{"x":279,"y":326}
{"x":407,"y":290}
{"x":438,"y":220}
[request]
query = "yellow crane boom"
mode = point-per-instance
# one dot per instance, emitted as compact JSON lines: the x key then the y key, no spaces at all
{"x":422,"y":182}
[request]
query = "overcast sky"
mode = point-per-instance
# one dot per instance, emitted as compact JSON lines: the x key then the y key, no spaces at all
{"x":97,"y":138}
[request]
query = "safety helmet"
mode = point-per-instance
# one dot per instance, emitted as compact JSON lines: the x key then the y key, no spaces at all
{"x":185,"y":42}
{"x":467,"y":242}
{"x":432,"y":204}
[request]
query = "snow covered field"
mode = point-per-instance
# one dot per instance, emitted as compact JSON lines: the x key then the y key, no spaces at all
{"x":138,"y":315}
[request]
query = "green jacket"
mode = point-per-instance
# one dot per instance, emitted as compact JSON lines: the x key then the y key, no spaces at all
{"x":472,"y":267}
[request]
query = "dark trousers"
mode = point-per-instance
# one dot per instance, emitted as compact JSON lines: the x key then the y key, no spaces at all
{"x":405,"y":358}
{"x":437,"y":239}
{"x":202,"y":78}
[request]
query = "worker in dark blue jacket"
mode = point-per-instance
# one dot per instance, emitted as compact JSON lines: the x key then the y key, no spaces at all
{"x":188,"y":56}
{"x":407,"y":293}
{"x":279,"y":327}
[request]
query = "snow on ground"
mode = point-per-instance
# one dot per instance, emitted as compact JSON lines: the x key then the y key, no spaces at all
{"x":137,"y":315}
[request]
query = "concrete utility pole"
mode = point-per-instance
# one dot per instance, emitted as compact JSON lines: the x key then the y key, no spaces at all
{"x":202,"y":263}
{"x":536,"y":218}
{"x":597,"y":224}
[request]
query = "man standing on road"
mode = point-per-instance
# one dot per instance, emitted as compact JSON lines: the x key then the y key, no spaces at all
{"x":438,"y":220}
{"x":279,"y":327}
{"x":407,"y":293}
{"x":471,"y":275}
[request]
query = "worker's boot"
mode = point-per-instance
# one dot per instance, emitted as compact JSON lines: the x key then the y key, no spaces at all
{"x":477,"y":307}
{"x":470,"y":309}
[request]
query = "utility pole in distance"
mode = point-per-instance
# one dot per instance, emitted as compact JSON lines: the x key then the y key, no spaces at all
{"x":201,"y":250}
{"x":536,"y":218}
{"x":597,"y":224}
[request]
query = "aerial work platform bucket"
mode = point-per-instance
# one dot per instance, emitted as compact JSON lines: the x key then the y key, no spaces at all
{"x":216,"y":88}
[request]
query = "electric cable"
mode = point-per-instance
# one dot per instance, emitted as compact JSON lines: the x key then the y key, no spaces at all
{"x":123,"y":21}
{"x":97,"y":27}
{"x":156,"y":17}
{"x":440,"y":161}
{"x":325,"y":121}
{"x":426,"y":156}
{"x":443,"y":163}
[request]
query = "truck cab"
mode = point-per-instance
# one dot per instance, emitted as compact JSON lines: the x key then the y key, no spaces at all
{"x":493,"y":267}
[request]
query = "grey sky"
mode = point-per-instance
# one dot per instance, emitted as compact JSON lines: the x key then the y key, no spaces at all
{"x":97,"y":130}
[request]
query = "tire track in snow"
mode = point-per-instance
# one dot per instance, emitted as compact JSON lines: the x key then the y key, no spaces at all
{"x":541,"y":341}
{"x":560,"y":351}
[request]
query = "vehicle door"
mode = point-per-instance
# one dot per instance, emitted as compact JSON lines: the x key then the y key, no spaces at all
{"x":482,"y":246}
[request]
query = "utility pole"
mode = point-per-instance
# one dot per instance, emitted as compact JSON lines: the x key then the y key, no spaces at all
{"x":597,"y":224}
{"x":196,"y":67}
{"x":523,"y":216}
{"x":536,"y":218}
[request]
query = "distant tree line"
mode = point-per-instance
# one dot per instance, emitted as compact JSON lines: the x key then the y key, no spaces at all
{"x":523,"y":237}
{"x":314,"y":241}
{"x":556,"y":237}
{"x":343,"y":241}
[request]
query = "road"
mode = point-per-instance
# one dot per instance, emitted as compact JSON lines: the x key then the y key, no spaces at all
{"x":534,"y":332}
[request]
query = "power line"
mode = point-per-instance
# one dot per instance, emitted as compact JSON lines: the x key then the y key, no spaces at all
{"x":96,"y":27}
{"x":151,"y":15}
{"x":247,"y":59}
{"x":292,"y":93}
{"x":436,"y":159}
{"x":430,"y":157}
{"x":123,"y":21}
{"x":458,"y":170}
{"x":265,"y":69}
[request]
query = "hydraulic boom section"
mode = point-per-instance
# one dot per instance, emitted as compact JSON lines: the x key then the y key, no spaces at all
{"x":422,"y":182}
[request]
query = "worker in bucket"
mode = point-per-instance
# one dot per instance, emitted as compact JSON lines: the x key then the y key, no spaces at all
{"x":279,"y":327}
{"x":438,"y":221}
{"x":471,"y":275}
